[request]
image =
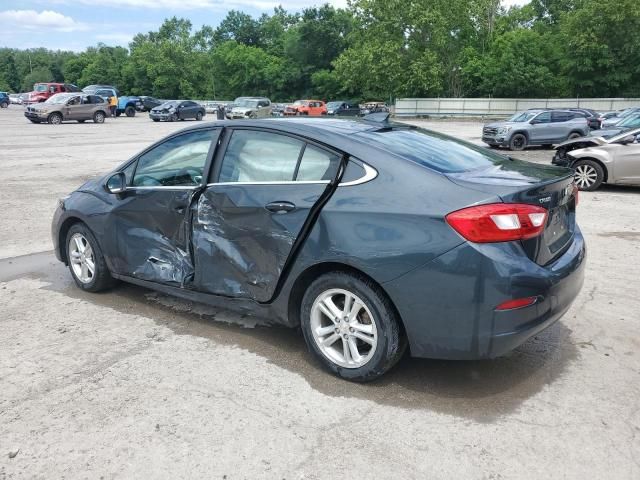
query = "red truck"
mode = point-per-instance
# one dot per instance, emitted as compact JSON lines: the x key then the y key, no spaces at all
{"x":42,"y":91}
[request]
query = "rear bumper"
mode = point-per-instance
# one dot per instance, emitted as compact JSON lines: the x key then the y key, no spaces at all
{"x":448,"y":305}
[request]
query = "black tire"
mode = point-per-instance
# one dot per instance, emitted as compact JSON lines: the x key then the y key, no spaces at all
{"x":118,"y":113}
{"x":589,"y":175}
{"x":199,"y":116}
{"x":391,"y":340}
{"x":102,"y":278}
{"x":55,"y":119}
{"x":99,"y":117}
{"x":130,"y":111}
{"x":573,"y":135}
{"x":518,"y":142}
{"x":4,"y":105}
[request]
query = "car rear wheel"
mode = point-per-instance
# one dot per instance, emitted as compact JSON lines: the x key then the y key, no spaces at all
{"x":86,"y":262}
{"x":130,"y":111}
{"x":574,"y":135}
{"x":55,"y":119}
{"x":351,"y":327}
{"x":199,"y":116}
{"x":589,"y":175}
{"x":518,"y":142}
{"x":98,"y":117}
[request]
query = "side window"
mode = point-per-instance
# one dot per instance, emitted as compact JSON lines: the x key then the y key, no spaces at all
{"x":317,"y":164}
{"x":254,"y":156}
{"x":557,"y":117}
{"x":544,"y":117}
{"x":179,"y":161}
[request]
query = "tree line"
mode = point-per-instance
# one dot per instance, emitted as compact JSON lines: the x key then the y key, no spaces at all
{"x":374,"y":49}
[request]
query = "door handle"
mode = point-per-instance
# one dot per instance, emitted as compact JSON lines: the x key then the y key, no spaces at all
{"x":280,"y":207}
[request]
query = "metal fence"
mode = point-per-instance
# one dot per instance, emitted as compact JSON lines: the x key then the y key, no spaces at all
{"x":502,"y":106}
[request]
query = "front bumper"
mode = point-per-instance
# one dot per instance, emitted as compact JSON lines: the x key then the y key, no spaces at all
{"x":500,"y":140}
{"x":160,"y":116}
{"x":35,"y":116}
{"x":448,"y":306}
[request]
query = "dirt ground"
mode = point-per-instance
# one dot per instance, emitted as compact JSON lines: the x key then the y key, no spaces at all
{"x":133,"y":384}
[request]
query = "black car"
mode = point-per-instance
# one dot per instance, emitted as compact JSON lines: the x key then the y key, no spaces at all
{"x":593,"y":117}
{"x":343,"y":109}
{"x":175,"y":110}
{"x":149,"y":103}
{"x":369,"y":235}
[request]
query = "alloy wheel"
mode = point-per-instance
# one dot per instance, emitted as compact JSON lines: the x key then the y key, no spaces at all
{"x":585,"y":176}
{"x":82,"y":258}
{"x":343,"y":328}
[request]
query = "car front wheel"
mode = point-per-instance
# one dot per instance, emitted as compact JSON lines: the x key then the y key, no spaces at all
{"x":199,"y":116}
{"x":351,"y":327}
{"x":589,"y":175}
{"x":85,"y":259}
{"x":518,"y":142}
{"x":55,"y":119}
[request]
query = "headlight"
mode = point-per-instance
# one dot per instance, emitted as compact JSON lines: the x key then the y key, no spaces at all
{"x":503,"y":130}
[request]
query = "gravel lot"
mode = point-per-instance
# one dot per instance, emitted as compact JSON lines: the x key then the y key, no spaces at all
{"x":132,"y":384}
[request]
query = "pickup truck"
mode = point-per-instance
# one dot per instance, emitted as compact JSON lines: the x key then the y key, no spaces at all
{"x":42,"y":91}
{"x":126,"y":105}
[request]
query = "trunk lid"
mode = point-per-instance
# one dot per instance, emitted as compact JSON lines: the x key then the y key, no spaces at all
{"x":515,"y":181}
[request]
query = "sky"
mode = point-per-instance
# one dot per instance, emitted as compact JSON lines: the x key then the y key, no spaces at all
{"x":77,"y":24}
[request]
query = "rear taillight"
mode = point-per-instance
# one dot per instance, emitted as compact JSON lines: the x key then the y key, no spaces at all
{"x":517,"y":303}
{"x":498,"y":222}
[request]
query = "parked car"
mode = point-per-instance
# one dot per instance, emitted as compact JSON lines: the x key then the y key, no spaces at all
{"x":312,"y":108}
{"x":175,"y":110}
{"x":535,"y":127}
{"x":374,"y":107}
{"x":4,"y":100}
{"x":95,"y":88}
{"x":343,"y":109}
{"x":149,"y":103}
{"x":250,"y":107}
{"x":597,"y":160}
{"x":15,"y":99}
{"x":24,"y":97}
{"x":277,"y":109}
{"x":369,"y":235}
{"x":593,"y":117}
{"x":612,"y":121}
{"x":607,"y":115}
{"x":627,"y":123}
{"x":68,"y":106}
{"x":42,"y":91}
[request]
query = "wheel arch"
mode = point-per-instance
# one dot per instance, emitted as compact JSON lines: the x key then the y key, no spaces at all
{"x":62,"y":236}
{"x":522,"y":132}
{"x":596,"y":160}
{"x":307,"y":276}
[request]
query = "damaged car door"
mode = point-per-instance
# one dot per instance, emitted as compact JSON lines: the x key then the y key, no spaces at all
{"x":151,"y":219}
{"x":263,"y":187}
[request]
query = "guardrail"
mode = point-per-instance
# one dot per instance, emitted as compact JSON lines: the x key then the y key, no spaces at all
{"x":502,"y":106}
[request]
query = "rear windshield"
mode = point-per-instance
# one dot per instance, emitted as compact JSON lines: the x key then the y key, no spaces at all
{"x":433,"y":150}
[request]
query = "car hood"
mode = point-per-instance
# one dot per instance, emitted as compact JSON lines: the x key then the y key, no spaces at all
{"x":501,"y":124}
{"x":607,"y":133}
{"x":597,"y":141}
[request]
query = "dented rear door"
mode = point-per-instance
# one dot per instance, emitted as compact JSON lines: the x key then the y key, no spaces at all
{"x":247,"y":219}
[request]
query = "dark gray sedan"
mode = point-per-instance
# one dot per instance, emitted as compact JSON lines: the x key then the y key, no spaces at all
{"x":369,"y":235}
{"x":175,"y":110}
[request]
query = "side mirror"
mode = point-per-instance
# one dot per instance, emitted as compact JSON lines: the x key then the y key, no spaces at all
{"x":117,"y":183}
{"x":534,"y":121}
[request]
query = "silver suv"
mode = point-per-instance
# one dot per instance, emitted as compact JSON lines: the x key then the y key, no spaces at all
{"x":535,"y":127}
{"x":250,"y":107}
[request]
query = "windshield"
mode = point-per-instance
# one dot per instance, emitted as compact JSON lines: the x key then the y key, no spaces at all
{"x":630,"y":121}
{"x":247,"y":103}
{"x":40,"y":87}
{"x":59,"y":98}
{"x":523,"y":116}
{"x":300,"y":102}
{"x":333,"y":104}
{"x":624,"y":134}
{"x":170,"y":104}
{"x":433,"y":150}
